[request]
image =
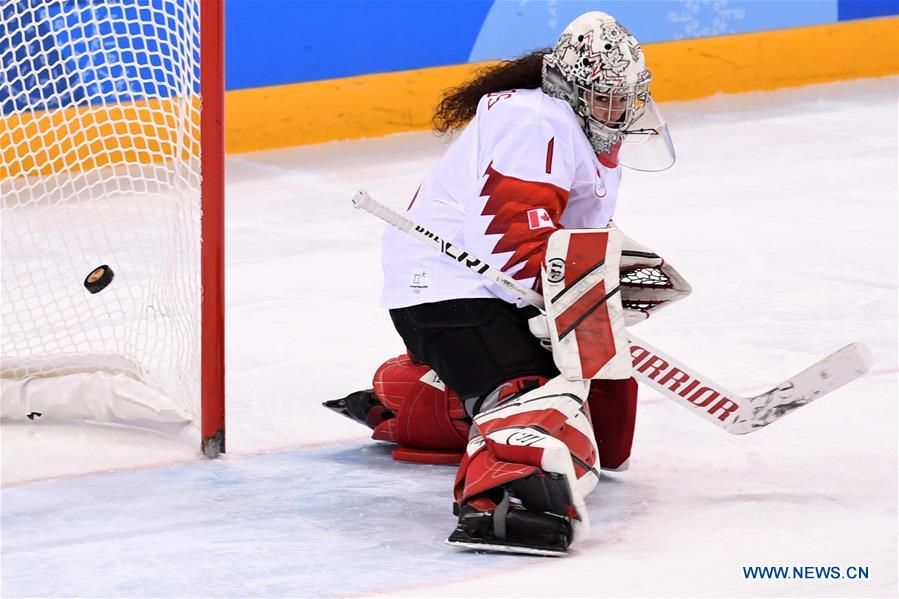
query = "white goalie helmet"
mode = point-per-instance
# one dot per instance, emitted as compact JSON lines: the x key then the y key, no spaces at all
{"x":598,"y":68}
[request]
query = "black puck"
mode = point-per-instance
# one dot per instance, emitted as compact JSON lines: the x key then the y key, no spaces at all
{"x":99,"y":278}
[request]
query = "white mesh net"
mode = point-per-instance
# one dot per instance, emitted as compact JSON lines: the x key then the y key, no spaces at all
{"x":99,"y":139}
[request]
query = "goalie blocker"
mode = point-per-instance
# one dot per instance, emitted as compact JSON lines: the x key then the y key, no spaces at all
{"x":584,"y":313}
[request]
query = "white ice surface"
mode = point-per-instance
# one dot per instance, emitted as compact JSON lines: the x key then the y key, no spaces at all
{"x":782,"y":214}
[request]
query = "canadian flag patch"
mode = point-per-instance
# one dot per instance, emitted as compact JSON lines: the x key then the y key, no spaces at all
{"x":539,"y":218}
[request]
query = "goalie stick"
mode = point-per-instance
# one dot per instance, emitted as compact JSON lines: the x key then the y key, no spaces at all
{"x":734,"y":413}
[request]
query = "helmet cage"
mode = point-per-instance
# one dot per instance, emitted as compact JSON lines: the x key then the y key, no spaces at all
{"x":597,"y":103}
{"x":597,"y":67}
{"x":610,"y":111}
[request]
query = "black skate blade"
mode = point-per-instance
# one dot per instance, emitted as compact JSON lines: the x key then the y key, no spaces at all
{"x":495,"y":547}
{"x":529,"y":533}
{"x":360,"y":406}
{"x":339,"y":406}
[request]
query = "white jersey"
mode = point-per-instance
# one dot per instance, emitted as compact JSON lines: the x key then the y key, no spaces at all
{"x":520,"y":169}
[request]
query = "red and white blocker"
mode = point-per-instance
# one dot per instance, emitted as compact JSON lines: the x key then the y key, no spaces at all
{"x":584,"y":313}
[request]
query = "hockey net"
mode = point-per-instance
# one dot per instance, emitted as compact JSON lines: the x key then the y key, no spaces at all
{"x":101,"y":129}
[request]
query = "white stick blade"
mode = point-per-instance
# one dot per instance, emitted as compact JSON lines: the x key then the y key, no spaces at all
{"x":839,"y":368}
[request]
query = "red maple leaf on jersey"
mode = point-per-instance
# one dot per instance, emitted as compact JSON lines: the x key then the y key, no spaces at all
{"x":509,"y":201}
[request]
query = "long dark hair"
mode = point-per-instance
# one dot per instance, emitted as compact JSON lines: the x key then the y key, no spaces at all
{"x":459,"y":104}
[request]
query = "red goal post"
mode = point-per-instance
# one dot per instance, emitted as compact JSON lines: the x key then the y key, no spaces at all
{"x":212,"y":190}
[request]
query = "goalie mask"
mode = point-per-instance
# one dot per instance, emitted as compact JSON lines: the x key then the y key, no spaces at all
{"x":598,"y":68}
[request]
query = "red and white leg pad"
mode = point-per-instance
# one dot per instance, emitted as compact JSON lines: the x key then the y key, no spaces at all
{"x":430,"y":423}
{"x":613,"y":411}
{"x":544,"y":430}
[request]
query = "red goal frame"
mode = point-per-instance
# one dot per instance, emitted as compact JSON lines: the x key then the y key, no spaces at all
{"x":212,"y":252}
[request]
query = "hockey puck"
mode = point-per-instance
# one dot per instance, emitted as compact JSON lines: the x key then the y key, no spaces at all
{"x":98,"y":279}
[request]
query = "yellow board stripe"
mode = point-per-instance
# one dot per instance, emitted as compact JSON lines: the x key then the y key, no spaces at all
{"x":88,"y":137}
{"x":697,"y":68}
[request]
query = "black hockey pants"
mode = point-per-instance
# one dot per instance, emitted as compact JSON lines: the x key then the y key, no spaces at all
{"x":474,"y":345}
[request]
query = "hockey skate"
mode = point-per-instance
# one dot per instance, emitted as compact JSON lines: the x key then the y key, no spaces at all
{"x":362,"y":407}
{"x":529,"y":516}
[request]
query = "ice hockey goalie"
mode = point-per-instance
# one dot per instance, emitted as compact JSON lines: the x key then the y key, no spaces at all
{"x":531,"y":405}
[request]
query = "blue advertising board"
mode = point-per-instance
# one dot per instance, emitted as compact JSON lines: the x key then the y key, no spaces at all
{"x":69,"y":52}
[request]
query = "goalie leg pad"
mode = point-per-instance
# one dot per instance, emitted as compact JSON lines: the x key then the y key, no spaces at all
{"x":524,"y":440}
{"x":427,"y":414}
{"x":613,"y":412}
